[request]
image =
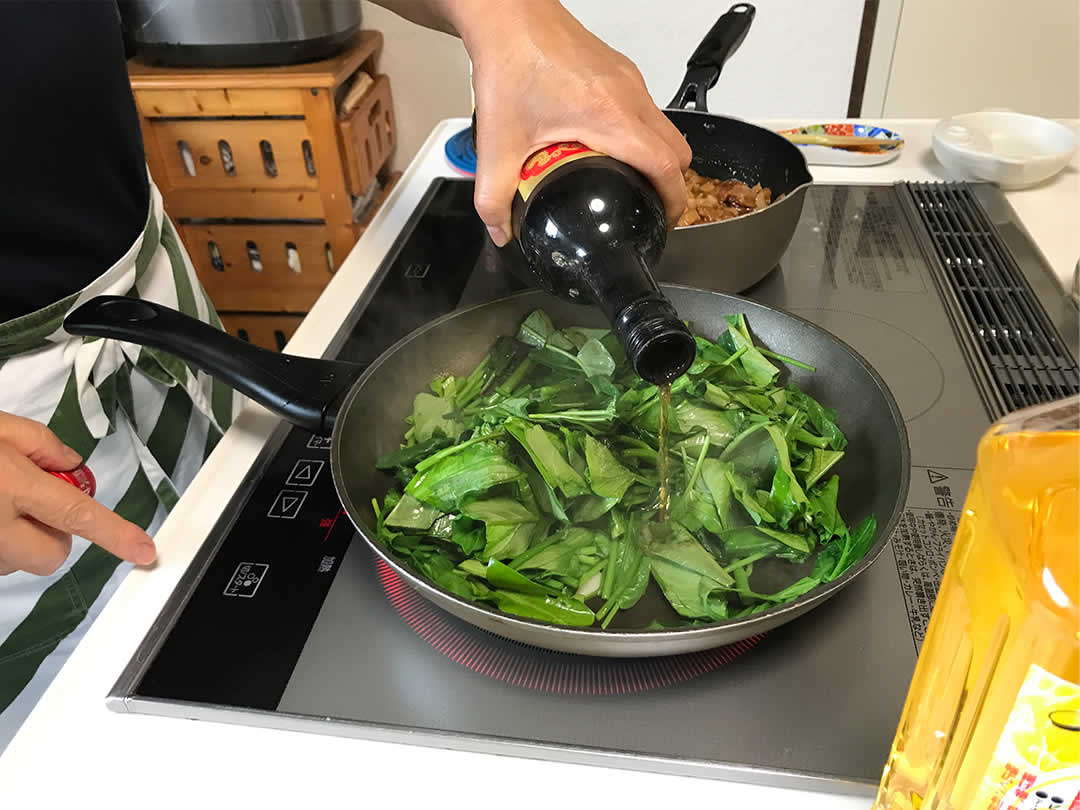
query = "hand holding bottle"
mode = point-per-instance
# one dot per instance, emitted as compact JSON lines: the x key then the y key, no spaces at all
{"x":541,"y":78}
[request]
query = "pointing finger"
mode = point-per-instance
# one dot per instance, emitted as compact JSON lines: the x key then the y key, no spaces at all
{"x":65,"y":508}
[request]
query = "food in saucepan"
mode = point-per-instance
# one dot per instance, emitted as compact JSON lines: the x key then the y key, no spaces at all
{"x":533,"y":483}
{"x":711,"y":200}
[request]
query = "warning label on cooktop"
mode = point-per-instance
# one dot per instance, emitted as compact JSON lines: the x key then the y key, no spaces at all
{"x":921,"y":544}
{"x":939,"y":487}
{"x":923,"y":538}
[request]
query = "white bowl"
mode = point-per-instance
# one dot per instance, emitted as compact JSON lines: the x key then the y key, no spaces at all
{"x":1008,"y":148}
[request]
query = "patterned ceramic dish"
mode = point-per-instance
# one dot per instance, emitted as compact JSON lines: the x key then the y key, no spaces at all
{"x":891,"y":145}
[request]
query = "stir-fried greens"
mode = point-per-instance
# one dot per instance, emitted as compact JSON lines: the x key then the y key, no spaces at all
{"x":532,"y":484}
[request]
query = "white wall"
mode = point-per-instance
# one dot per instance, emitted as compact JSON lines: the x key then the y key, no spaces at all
{"x":429,"y":77}
{"x":796,"y":62}
{"x":950,"y":56}
{"x":955,"y":56}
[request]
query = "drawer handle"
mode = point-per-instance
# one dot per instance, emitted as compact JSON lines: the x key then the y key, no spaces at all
{"x":329,"y":257}
{"x":215,"y":256}
{"x":292,"y":257}
{"x":268,"y":158}
{"x":253,"y":257}
{"x":280,"y":340}
{"x":243,"y":335}
{"x":309,"y":157}
{"x":227,"y":162}
{"x":186,"y":158}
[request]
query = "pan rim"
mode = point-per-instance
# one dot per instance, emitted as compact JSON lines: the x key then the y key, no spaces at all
{"x":640,"y":637}
{"x":799,"y":189}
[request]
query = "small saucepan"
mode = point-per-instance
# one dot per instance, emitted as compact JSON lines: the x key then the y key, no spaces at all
{"x":733,"y":254}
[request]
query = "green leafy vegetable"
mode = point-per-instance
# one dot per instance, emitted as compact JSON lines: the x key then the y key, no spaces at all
{"x":720,"y":426}
{"x":591,"y":507}
{"x":819,"y":462}
{"x":508,"y":526}
{"x":468,"y":535}
{"x":691,"y":578}
{"x":531,"y":484}
{"x":626,"y":576}
{"x":758,"y":370}
{"x":545,"y":495}
{"x":820,"y":418}
{"x":410,"y":455}
{"x":554,"y":609}
{"x":493,"y":364}
{"x":608,"y":477}
{"x":857,"y":543}
{"x":595,"y":359}
{"x":449,"y":482}
{"x":548,"y":458}
{"x":574,"y":550}
{"x":538,"y":331}
{"x":434,"y":415}
{"x":410,"y":513}
{"x":501,"y":575}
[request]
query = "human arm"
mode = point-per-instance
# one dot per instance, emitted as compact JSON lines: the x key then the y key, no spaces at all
{"x":539,"y":78}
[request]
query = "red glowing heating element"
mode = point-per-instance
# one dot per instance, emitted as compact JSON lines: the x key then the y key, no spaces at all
{"x":532,"y":668}
{"x":80,"y":477}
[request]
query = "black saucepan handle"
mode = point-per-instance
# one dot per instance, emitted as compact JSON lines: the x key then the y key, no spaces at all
{"x":304,"y":391}
{"x":703,"y":69}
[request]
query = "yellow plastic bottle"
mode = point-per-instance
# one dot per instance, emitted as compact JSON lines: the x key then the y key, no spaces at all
{"x":992,"y":717}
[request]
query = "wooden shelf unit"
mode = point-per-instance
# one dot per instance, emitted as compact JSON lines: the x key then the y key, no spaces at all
{"x":259,"y":169}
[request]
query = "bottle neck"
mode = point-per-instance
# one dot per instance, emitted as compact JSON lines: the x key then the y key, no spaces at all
{"x":658,"y":344}
{"x":616,"y":279}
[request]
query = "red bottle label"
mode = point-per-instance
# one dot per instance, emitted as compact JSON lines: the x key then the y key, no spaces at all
{"x":541,"y":163}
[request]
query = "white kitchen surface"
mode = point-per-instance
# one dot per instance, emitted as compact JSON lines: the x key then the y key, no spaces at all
{"x":72,"y":748}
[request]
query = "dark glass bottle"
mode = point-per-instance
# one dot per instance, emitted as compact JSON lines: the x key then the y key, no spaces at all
{"x":589,"y":228}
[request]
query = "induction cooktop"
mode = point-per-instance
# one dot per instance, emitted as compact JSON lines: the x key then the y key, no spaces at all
{"x":286,"y":619}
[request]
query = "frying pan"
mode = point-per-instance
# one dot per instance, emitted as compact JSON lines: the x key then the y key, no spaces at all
{"x":734,"y":254}
{"x":364,"y":410}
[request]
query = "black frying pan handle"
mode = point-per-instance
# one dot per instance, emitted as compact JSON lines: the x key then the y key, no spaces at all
{"x":703,"y":69}
{"x":304,"y":391}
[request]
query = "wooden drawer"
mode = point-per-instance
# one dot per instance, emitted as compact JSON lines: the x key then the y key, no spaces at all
{"x":249,"y":203}
{"x":267,"y":153}
{"x":261,"y":267}
{"x":271,"y":331}
{"x":368,"y":135}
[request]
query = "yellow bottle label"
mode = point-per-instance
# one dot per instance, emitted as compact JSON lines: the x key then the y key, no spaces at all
{"x":541,"y":164}
{"x":1036,"y":765}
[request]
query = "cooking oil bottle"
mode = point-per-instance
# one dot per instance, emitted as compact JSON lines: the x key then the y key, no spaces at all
{"x":992,"y":718}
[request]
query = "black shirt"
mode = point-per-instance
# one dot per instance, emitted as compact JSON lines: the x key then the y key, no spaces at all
{"x":73,"y":178}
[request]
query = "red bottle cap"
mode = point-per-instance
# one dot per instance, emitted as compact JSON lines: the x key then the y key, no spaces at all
{"x":80,"y":477}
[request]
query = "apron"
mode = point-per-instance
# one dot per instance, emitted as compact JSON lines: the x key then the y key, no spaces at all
{"x":142,"y":420}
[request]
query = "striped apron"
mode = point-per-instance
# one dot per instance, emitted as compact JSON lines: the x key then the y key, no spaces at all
{"x":143,"y":421}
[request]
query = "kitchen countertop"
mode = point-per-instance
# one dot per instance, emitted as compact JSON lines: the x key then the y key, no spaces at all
{"x":1049,"y":211}
{"x":73,"y":747}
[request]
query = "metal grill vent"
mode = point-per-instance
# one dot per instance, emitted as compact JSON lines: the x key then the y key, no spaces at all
{"x":1009,"y":338}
